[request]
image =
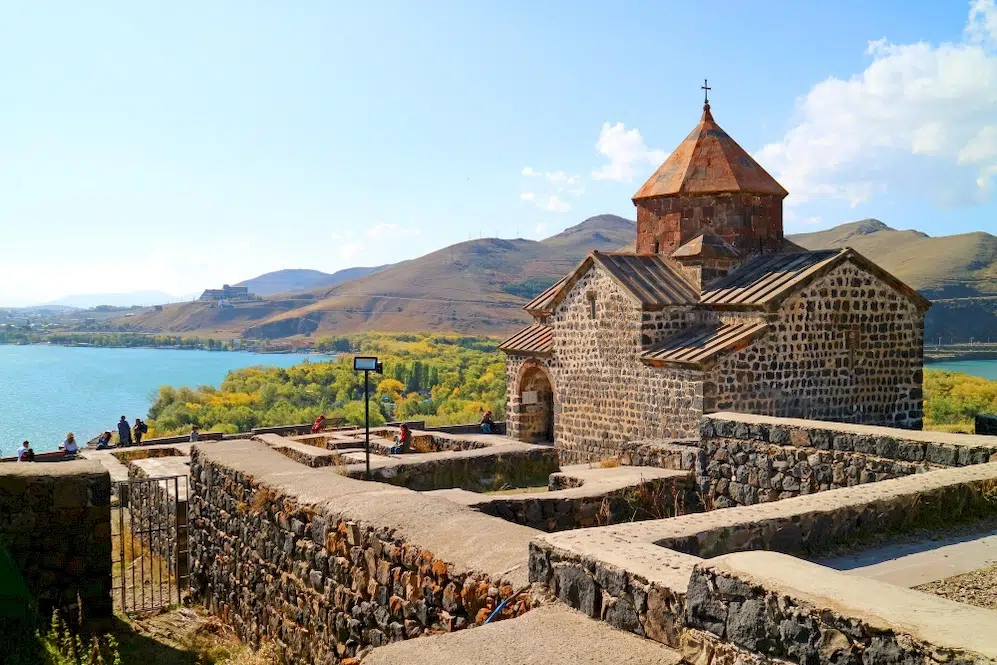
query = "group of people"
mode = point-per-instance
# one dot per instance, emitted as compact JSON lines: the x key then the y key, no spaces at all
{"x":127,"y":434}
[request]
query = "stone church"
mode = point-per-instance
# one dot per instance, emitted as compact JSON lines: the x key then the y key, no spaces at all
{"x":714,"y":311}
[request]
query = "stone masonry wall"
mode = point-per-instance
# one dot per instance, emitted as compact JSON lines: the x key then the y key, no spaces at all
{"x":324,"y":587}
{"x":55,"y":520}
{"x":750,"y":459}
{"x":604,"y":395}
{"x":766,"y":608}
{"x":847,"y":348}
{"x":748,"y":222}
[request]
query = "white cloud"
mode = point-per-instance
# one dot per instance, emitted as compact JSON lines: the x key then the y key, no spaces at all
{"x":383,"y":230}
{"x":527,"y":196}
{"x":349,"y":251}
{"x":540,"y":229}
{"x":555,"y":204}
{"x":921,"y":118}
{"x":527,"y":171}
{"x":626,"y":151}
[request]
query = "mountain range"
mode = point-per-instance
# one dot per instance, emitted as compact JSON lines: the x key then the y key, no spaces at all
{"x":295,"y":280}
{"x":480,"y":286}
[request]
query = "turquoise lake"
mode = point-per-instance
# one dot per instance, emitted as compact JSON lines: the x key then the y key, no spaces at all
{"x":985,"y":368}
{"x":46,"y":391}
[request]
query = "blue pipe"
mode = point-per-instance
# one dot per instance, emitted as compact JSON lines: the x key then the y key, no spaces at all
{"x":502,"y":604}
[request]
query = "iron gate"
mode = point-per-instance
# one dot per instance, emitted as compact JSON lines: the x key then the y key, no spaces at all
{"x":149,"y":543}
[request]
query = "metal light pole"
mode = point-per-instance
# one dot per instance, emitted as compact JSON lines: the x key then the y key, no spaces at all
{"x":367,"y":364}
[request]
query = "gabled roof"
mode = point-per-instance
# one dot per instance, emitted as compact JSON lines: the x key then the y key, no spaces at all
{"x":647,"y":278}
{"x":542,"y":303}
{"x":535,"y":340}
{"x":707,"y":245}
{"x":767,"y":279}
{"x":709,"y":161}
{"x":699,"y":344}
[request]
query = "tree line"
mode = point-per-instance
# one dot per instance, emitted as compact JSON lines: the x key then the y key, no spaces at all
{"x":439,"y":378}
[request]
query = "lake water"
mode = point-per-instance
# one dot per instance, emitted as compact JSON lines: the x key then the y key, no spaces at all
{"x":985,"y":368}
{"x":46,"y":391}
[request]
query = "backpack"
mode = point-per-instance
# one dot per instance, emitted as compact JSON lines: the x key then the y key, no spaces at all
{"x":143,"y":428}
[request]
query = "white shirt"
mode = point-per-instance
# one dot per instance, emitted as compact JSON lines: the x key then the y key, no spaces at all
{"x":70,"y":446}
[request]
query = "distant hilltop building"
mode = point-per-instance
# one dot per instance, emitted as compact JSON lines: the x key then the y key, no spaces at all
{"x":714,"y":311}
{"x":226,"y":293}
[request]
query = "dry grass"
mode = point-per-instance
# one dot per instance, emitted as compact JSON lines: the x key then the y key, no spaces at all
{"x":263,"y":497}
{"x":609,"y":462}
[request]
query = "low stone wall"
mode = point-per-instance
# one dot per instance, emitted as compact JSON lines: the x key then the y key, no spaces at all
{"x":328,"y":566}
{"x":986,"y":424}
{"x":55,"y":520}
{"x":651,"y":499}
{"x":480,"y":470}
{"x":749,"y":459}
{"x":678,"y":454}
{"x":636,"y":575}
{"x":762,"y":607}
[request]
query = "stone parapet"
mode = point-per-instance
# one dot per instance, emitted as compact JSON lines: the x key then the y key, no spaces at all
{"x":776,"y":608}
{"x":55,"y":520}
{"x":329,"y":566}
{"x":939,"y":448}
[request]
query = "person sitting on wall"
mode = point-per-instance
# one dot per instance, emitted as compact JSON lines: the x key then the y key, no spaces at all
{"x":124,"y":432}
{"x":194,"y":434}
{"x":104,"y":441}
{"x":25,"y":453}
{"x":402,"y":440}
{"x":487,"y":424}
{"x":319,"y":424}
{"x":70,"y":447}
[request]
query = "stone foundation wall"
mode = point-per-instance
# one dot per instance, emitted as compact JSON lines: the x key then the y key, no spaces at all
{"x":847,"y":348}
{"x":324,"y":585}
{"x":651,"y":499}
{"x":482,"y":471}
{"x":766,"y":608}
{"x":754,"y":459}
{"x":55,"y":520}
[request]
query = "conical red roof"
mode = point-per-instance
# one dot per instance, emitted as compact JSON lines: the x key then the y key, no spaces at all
{"x":709,"y":161}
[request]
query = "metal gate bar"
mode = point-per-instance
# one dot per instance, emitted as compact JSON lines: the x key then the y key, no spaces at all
{"x":152,"y":543}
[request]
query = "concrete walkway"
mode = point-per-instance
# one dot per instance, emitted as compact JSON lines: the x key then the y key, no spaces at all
{"x":913,"y":564}
{"x":544,"y":636}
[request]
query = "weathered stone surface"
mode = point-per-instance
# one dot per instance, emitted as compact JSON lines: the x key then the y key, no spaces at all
{"x":55,"y":520}
{"x":279,"y":556}
{"x":782,"y":608}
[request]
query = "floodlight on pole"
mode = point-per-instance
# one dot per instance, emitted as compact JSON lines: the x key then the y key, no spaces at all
{"x":367,"y":364}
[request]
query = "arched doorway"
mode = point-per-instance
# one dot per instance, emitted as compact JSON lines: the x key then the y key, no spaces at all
{"x":536,"y":406}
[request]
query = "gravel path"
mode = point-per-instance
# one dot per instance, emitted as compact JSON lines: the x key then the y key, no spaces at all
{"x":977,"y":588}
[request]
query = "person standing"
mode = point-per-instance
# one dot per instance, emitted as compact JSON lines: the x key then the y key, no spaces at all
{"x":124,"y":432}
{"x":25,"y":453}
{"x":194,"y":435}
{"x":139,"y":431}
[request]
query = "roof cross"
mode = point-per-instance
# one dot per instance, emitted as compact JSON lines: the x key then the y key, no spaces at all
{"x":706,"y":92}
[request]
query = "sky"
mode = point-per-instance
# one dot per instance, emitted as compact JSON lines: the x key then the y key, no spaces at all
{"x":176,"y":146}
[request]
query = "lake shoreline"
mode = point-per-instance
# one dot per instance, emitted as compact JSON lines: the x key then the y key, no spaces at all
{"x":305,"y":351}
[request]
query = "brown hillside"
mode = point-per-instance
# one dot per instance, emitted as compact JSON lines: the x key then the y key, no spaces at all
{"x":478,"y":286}
{"x":955,"y":266}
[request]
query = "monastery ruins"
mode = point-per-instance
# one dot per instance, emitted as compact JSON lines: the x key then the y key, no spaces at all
{"x":713,"y":455}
